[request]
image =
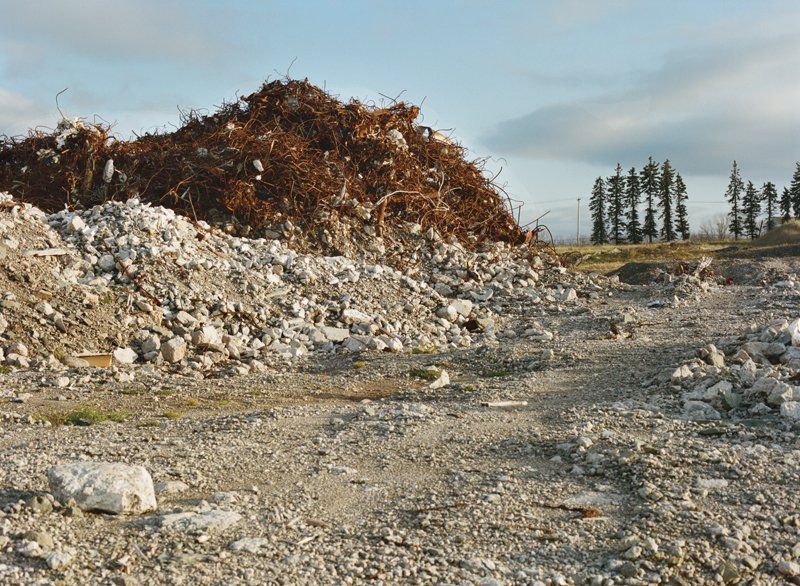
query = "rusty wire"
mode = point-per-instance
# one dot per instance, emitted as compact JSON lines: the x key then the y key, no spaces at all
{"x":318,"y":155}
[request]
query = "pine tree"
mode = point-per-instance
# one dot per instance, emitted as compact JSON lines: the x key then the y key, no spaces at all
{"x":681,"y":213}
{"x":733,"y":195}
{"x":665,"y":188}
{"x":616,"y":205}
{"x":633,"y":196}
{"x":794,"y":190}
{"x":649,"y":186}
{"x":770,"y":196}
{"x":597,"y":205}
{"x":751,"y":208}
{"x":786,"y":205}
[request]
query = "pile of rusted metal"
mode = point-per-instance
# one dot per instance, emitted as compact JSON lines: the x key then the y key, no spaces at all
{"x":289,"y":151}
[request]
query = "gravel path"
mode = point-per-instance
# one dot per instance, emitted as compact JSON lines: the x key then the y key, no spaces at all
{"x":350,"y":470}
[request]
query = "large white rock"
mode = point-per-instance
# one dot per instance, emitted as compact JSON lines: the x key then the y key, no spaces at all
{"x":174,"y":350}
{"x":207,"y":337}
{"x":335,"y":334}
{"x":791,"y":410}
{"x":104,"y":486}
{"x":125,"y":356}
{"x":794,"y":332}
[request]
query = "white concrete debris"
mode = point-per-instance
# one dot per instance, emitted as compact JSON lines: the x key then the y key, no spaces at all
{"x":103,"y":486}
{"x":214,"y":521}
{"x":755,"y":376}
{"x":442,"y":381}
{"x":202,"y":299}
{"x":124,"y":356}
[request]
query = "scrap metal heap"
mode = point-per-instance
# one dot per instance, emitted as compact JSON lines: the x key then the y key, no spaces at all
{"x":288,"y":152}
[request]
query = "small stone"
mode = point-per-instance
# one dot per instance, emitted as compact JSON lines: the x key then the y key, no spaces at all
{"x":44,"y":539}
{"x":170,"y":487}
{"x":442,"y":381}
{"x":215,"y":521}
{"x":40,"y":505}
{"x":106,"y":263}
{"x":354,"y":316}
{"x":249,"y":544}
{"x":58,"y":559}
{"x":789,"y":568}
{"x":75,"y":224}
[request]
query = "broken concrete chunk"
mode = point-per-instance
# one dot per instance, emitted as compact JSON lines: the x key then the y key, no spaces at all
{"x":354,"y":316}
{"x":174,"y":350}
{"x":103,"y":486}
{"x":124,"y":356}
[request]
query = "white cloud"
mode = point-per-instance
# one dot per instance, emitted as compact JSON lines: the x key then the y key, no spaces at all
{"x":17,"y":113}
{"x":112,"y":29}
{"x":734,"y":97}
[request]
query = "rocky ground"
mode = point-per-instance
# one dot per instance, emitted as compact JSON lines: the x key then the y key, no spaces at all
{"x":583,"y":431}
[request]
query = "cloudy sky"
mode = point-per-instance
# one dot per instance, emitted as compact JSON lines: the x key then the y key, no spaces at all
{"x":555,"y":91}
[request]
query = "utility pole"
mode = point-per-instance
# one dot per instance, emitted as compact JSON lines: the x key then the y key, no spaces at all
{"x":578,"y":233}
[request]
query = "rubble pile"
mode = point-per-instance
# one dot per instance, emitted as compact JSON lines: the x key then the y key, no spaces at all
{"x":182,"y":294}
{"x":684,"y":282}
{"x":286,"y":158}
{"x":754,"y":375}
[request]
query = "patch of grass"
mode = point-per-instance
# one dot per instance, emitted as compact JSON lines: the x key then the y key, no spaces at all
{"x":359,"y":364}
{"x":132,"y":392}
{"x":424,"y":350}
{"x":4,"y":369}
{"x":192,"y":403}
{"x":429,"y":374}
{"x":172,"y":414}
{"x":608,"y":257}
{"x":496,"y":373}
{"x":165,"y":392}
{"x":107,"y":298}
{"x":85,"y":416}
{"x":223,"y":403}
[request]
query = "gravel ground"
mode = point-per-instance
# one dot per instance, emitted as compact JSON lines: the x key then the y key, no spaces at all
{"x":351,"y":469}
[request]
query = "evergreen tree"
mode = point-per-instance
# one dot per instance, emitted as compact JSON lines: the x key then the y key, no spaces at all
{"x":733,"y":195}
{"x":770,"y":197}
{"x":597,"y":205}
{"x":751,"y":207}
{"x":681,"y":214}
{"x":616,"y":205}
{"x":794,"y":190}
{"x":665,"y":188}
{"x":786,"y":205}
{"x":633,"y":196}
{"x":649,"y":186}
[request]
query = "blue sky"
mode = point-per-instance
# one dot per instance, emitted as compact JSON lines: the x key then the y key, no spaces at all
{"x":556,"y":92}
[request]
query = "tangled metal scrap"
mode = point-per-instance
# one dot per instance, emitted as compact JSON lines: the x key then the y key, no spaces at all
{"x":289,"y":151}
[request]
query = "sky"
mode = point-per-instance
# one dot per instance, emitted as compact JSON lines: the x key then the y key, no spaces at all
{"x":553,"y":92}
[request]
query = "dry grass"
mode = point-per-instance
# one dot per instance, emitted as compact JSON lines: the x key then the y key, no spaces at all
{"x":609,"y":257}
{"x":788,"y":233}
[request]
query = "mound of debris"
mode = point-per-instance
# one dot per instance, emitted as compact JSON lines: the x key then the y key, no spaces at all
{"x":148,"y":285}
{"x":287,"y":157}
{"x":754,"y":375}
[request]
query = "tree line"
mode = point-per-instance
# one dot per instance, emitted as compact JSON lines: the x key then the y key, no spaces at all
{"x":615,"y":203}
{"x":748,"y":202}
